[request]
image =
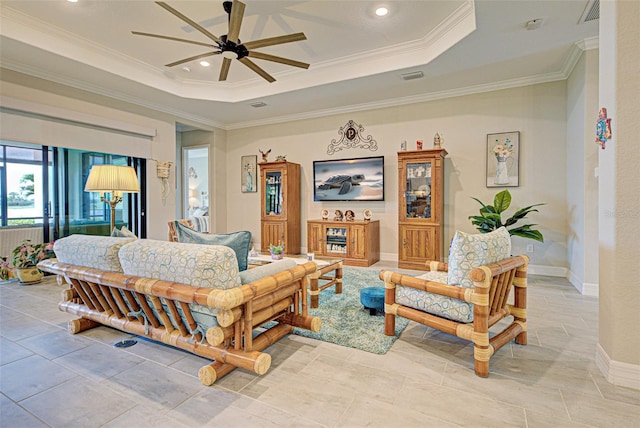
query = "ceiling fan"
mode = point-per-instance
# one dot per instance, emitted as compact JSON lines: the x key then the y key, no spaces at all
{"x":229,"y":45}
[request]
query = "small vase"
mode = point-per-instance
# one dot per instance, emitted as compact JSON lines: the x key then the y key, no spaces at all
{"x":29,"y":275}
{"x":277,"y":256}
{"x":502,"y":172}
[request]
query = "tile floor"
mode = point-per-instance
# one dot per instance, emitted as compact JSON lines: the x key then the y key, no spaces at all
{"x":51,"y":378}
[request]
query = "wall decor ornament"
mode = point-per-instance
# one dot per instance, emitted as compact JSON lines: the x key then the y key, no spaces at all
{"x":351,"y":137}
{"x":603,"y":128}
{"x":248,"y":179}
{"x":163,"y":171}
{"x":503,"y":156}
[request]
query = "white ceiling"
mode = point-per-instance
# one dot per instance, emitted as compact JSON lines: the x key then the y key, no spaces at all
{"x":461,"y":46}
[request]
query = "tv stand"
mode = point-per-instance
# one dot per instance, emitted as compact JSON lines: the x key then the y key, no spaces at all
{"x":356,"y":242}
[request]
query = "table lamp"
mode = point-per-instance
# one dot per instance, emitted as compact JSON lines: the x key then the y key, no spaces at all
{"x":115,"y":180}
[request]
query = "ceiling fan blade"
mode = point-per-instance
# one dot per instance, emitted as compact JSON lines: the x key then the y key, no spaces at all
{"x":279,"y":59}
{"x":270,"y":41}
{"x":224,"y":70}
{"x":235,"y":20}
{"x":192,"y":58}
{"x":188,"y":21}
{"x":246,"y":61}
{"x":160,"y":36}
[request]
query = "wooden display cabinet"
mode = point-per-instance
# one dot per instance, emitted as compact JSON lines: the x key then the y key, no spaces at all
{"x":356,"y":242}
{"x":420,"y":207}
{"x":280,"y":205}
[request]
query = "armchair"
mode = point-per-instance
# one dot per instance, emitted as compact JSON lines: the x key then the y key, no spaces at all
{"x":467,"y":296}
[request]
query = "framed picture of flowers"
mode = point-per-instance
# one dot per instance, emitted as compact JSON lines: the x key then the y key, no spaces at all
{"x":248,"y":179}
{"x":503,"y":159}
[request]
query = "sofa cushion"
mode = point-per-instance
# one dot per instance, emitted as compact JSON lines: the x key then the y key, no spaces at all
{"x":447,"y":307}
{"x":209,"y":266}
{"x":240,"y":241}
{"x":97,"y":252}
{"x":259,"y":272}
{"x":471,"y":251}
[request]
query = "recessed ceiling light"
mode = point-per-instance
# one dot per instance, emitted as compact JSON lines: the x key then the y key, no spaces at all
{"x":72,"y":1}
{"x":186,"y":69}
{"x":258,"y":104}
{"x":382,"y":11}
{"x":205,"y":63}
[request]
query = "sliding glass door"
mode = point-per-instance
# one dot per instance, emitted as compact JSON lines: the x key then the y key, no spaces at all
{"x":43,"y":187}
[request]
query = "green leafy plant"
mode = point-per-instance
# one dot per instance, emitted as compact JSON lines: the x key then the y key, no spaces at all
{"x":6,"y":270}
{"x":276,"y":249}
{"x":490,"y":217}
{"x":28,"y":254}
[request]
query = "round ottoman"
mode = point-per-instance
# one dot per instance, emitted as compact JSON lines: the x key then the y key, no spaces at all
{"x":372,"y":298}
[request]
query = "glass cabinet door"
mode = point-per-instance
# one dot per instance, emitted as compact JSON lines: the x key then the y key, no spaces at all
{"x":418,"y":190}
{"x":336,"y":239}
{"x":273,"y":193}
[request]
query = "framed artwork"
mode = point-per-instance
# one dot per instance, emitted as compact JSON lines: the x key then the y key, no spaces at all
{"x":503,"y":159}
{"x":248,"y":179}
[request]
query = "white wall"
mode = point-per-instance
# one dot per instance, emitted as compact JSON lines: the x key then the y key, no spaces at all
{"x":618,"y":354}
{"x":538,"y":112}
{"x":582,"y":185}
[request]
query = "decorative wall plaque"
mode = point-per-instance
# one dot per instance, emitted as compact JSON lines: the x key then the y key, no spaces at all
{"x":351,"y":137}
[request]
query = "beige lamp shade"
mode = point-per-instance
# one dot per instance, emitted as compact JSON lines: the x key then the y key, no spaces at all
{"x":112,"y":178}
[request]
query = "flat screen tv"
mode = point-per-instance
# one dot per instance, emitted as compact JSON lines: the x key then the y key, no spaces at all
{"x":360,"y":179}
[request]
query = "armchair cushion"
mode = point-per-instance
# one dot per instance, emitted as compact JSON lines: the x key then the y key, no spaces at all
{"x":447,"y":307}
{"x":467,"y":252}
{"x":239,"y":242}
{"x":251,"y":275}
{"x":471,"y":251}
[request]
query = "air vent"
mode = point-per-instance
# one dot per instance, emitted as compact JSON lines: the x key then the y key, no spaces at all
{"x":414,"y":75}
{"x":591,"y":12}
{"x":258,"y":104}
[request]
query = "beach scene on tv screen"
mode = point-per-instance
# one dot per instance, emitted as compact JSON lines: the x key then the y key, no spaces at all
{"x":353,"y":179}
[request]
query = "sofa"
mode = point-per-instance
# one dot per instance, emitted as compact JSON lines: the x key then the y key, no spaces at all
{"x":189,"y":296}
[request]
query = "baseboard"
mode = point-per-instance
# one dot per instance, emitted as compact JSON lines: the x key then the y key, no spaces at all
{"x":547,"y":270}
{"x":617,"y":373}
{"x":585,"y":288}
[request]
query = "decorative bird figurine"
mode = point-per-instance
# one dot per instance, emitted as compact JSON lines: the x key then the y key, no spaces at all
{"x":265,"y":155}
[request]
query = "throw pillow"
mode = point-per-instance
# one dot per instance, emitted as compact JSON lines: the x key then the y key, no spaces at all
{"x":470,"y":251}
{"x":122,"y":233}
{"x":239,"y":242}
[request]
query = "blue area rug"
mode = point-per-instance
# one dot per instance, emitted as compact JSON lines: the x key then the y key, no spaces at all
{"x":344,"y":319}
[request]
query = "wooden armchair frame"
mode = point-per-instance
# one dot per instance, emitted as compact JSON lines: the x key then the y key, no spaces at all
{"x":489,"y":295}
{"x":173,"y":233}
{"x":149,"y":307}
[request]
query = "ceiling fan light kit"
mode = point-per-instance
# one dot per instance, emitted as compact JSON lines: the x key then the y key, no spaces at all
{"x":229,"y":45}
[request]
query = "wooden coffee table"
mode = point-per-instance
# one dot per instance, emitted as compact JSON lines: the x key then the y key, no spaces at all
{"x":329,"y":270}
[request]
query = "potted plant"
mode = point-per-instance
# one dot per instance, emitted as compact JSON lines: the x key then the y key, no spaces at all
{"x":490,"y":217}
{"x":277,"y":251}
{"x":6,"y":270}
{"x":25,"y":258}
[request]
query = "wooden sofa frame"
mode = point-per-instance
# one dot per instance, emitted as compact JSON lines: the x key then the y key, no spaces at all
{"x":489,"y":295}
{"x":120,"y":301}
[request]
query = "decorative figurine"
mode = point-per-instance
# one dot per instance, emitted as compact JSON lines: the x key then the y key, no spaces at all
{"x":349,"y":215}
{"x":437,"y":141}
{"x":367,"y":214}
{"x":324,"y":214}
{"x":603,"y":128}
{"x":419,"y":145}
{"x":403,"y":145}
{"x":265,"y":155}
{"x":338,"y":216}
{"x":281,"y":158}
